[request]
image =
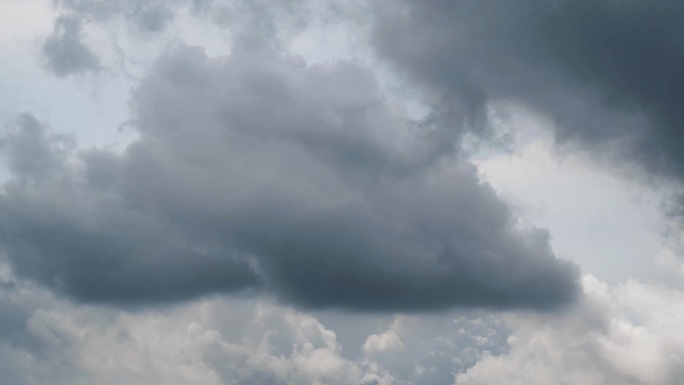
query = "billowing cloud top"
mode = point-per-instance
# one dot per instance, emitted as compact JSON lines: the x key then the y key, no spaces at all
{"x":256,"y":172}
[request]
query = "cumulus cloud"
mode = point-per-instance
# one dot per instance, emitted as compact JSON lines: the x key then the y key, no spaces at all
{"x":260,"y":186}
{"x":625,"y":334}
{"x":256,"y":172}
{"x":219,"y":341}
{"x":98,"y":239}
{"x":432,"y":349}
{"x":215,"y":342}
{"x":387,"y":341}
{"x":617,"y":335}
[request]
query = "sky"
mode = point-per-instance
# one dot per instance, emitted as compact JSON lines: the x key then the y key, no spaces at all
{"x":310,"y":192}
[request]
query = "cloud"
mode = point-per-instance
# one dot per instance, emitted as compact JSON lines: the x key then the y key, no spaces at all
{"x":608,"y":73}
{"x":431,"y":349}
{"x":259,"y":185}
{"x":272,"y":23}
{"x":216,"y":341}
{"x":98,"y":240}
{"x":147,"y":15}
{"x":65,"y":51}
{"x":255,"y":172}
{"x":48,"y":340}
{"x":387,"y":341}
{"x":618,"y":335}
{"x":625,"y":334}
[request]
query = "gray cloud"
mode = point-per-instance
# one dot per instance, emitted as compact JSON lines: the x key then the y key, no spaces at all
{"x":62,"y":230}
{"x":427,"y":349}
{"x":255,"y":171}
{"x":609,"y":73}
{"x":257,"y":22}
{"x":65,"y":51}
{"x":148,"y":15}
{"x":624,"y":334}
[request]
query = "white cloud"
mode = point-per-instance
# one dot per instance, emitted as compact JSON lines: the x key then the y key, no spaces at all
{"x":628,"y":334}
{"x":387,"y":341}
{"x":197,"y":343}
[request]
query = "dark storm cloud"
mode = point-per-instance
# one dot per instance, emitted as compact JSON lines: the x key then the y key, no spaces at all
{"x":257,"y":171}
{"x":609,"y":73}
{"x":65,"y":51}
{"x":70,"y":234}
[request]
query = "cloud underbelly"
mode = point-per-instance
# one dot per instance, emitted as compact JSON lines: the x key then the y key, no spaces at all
{"x":256,"y":172}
